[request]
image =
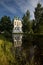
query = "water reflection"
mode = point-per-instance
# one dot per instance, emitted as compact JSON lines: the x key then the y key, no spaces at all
{"x":33,"y":46}
{"x":28,"y":49}
{"x":17,"y":40}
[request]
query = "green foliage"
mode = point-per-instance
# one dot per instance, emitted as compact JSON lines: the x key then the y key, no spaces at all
{"x":6,"y":23}
{"x":1,"y":26}
{"x":38,"y":54}
{"x":26,"y":22}
{"x":38,"y":19}
{"x":37,"y":12}
{"x":6,"y":26}
{"x":33,"y":25}
{"x":6,"y":54}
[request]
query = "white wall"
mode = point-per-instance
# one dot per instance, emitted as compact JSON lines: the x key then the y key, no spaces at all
{"x":17,"y":26}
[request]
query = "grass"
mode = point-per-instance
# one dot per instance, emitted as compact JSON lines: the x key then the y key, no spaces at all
{"x":6,"y":55}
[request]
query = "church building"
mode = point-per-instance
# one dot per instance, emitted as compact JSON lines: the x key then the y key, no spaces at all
{"x":17,"y":25}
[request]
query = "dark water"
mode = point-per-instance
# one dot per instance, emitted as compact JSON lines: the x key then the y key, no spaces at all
{"x":28,"y":49}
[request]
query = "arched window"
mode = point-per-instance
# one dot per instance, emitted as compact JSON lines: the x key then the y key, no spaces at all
{"x":15,"y":23}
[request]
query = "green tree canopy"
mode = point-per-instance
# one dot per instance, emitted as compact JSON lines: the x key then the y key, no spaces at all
{"x":39,"y":18}
{"x":7,"y":25}
{"x":26,"y":22}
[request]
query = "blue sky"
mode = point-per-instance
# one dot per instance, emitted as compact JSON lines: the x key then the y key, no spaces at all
{"x":18,"y":7}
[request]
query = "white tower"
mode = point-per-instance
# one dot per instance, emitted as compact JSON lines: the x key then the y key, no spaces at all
{"x":17,"y":26}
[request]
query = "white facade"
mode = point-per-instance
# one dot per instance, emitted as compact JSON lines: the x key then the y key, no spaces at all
{"x":17,"y":26}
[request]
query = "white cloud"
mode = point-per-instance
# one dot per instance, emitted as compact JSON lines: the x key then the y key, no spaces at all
{"x":9,"y":8}
{"x":22,"y":5}
{"x":25,"y":5}
{"x":35,"y":2}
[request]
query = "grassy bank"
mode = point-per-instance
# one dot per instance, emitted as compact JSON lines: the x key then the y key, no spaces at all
{"x":6,"y":55}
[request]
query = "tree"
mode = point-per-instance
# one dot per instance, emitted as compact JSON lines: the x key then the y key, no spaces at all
{"x":26,"y":22}
{"x":33,"y":25}
{"x":7,"y":25}
{"x":41,"y":23}
{"x":37,"y":12}
{"x":0,"y":27}
{"x":38,"y":16}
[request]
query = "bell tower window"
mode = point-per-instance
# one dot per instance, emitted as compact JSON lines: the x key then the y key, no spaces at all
{"x":15,"y":23}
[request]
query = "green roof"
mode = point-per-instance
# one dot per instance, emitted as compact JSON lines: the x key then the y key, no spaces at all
{"x":16,"y":17}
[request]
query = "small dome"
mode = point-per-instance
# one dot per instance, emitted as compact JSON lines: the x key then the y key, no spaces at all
{"x":17,"y":18}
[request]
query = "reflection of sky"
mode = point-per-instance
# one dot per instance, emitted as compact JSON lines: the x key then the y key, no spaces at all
{"x":17,"y":7}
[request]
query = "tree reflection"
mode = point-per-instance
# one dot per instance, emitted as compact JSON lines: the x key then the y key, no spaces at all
{"x":33,"y":49}
{"x":30,"y":52}
{"x":38,"y":42}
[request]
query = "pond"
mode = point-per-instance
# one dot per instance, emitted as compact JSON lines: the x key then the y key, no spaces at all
{"x":28,"y":49}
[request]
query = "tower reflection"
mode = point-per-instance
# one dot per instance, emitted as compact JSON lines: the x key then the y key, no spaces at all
{"x":17,"y":40}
